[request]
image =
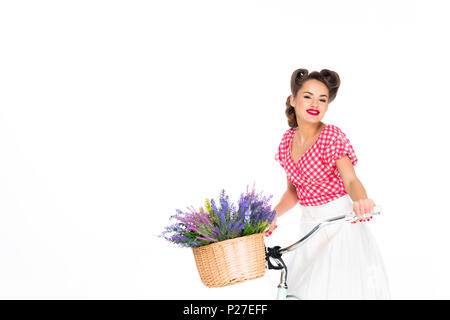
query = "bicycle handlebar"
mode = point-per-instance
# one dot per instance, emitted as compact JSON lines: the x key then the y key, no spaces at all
{"x":349,"y":217}
{"x":276,"y":252}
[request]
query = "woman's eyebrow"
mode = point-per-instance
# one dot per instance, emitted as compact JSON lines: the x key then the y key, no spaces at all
{"x":313,"y":94}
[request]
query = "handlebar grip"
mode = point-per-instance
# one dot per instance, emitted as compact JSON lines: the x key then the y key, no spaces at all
{"x":376,"y":211}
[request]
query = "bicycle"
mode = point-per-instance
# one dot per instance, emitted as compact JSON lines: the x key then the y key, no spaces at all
{"x":276,"y":252}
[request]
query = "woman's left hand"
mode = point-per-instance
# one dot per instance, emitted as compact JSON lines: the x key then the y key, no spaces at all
{"x":362,"y":207}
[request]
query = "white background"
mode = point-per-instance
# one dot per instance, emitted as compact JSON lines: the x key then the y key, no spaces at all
{"x":115,"y":113}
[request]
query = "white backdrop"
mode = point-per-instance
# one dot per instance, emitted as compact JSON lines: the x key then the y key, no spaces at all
{"x":115,"y":113}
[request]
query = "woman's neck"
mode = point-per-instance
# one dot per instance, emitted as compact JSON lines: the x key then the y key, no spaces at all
{"x":307,"y":131}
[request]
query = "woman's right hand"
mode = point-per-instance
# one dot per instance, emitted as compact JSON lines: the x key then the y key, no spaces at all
{"x":272,"y":227}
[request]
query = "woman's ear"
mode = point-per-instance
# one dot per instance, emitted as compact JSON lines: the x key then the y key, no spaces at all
{"x":291,"y":100}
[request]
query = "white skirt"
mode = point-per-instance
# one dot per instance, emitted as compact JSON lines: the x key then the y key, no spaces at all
{"x":341,"y":261}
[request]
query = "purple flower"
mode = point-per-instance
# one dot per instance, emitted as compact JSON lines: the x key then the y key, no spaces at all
{"x":194,"y":228}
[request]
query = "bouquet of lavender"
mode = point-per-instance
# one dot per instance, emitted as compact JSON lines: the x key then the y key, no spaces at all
{"x":220,"y":221}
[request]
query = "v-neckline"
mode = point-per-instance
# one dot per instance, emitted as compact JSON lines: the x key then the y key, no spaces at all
{"x":312,"y":146}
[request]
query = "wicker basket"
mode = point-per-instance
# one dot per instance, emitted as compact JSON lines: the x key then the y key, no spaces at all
{"x":231,"y":261}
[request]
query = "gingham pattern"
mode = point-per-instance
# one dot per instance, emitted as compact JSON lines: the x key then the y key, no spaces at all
{"x":316,"y":176}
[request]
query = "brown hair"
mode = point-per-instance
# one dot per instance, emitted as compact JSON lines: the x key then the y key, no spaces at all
{"x":329,"y":78}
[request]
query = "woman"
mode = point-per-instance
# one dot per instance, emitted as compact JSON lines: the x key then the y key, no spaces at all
{"x":341,"y":261}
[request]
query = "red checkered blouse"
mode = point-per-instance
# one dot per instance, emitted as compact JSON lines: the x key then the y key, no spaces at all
{"x":316,"y":176}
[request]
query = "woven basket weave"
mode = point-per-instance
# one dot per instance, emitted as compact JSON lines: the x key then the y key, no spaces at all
{"x":231,"y":261}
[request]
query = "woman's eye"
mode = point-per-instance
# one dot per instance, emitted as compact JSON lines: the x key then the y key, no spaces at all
{"x":307,"y":97}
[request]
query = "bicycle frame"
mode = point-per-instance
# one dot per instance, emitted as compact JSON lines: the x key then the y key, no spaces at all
{"x":276,"y":252}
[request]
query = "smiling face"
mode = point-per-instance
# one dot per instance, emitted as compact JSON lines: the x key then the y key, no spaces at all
{"x":311,"y":102}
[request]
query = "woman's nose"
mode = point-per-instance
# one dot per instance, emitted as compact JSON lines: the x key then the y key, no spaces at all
{"x":314,"y":104}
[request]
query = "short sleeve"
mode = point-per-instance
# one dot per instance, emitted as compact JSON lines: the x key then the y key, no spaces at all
{"x":338,"y":147}
{"x":278,"y":155}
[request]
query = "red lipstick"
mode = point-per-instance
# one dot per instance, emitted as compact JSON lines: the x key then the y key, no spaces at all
{"x":313,"y":112}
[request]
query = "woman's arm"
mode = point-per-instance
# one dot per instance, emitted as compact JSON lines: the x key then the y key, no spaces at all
{"x":354,"y":187}
{"x":287,"y":202}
